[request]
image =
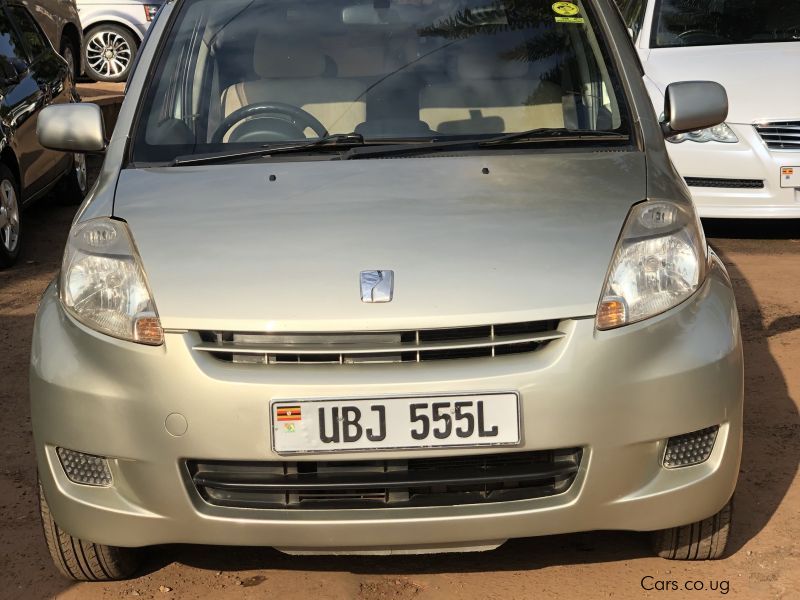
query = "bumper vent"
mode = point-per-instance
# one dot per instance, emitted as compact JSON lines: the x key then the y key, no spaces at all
{"x":386,"y":484}
{"x":379,"y":347}
{"x":690,"y":448}
{"x":709,"y":182}
{"x":780,"y":135}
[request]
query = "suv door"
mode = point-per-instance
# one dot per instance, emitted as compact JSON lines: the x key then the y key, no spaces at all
{"x":44,"y":80}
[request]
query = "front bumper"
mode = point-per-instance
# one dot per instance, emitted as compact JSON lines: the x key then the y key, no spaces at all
{"x":749,"y":159}
{"x":616,"y":394}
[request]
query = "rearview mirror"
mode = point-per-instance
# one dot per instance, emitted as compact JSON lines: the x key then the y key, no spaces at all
{"x":693,"y":105}
{"x":72,"y":128}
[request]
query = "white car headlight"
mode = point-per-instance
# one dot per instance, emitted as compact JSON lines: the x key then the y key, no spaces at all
{"x":103,"y":284}
{"x":660,"y":260}
{"x":719,"y":133}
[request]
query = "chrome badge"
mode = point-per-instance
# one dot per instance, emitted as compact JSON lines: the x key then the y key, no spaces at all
{"x":377,"y":286}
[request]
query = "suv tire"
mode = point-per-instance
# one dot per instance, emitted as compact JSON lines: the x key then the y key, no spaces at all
{"x":10,"y":218}
{"x":122,"y":46}
{"x":71,"y":54}
{"x":73,"y":186}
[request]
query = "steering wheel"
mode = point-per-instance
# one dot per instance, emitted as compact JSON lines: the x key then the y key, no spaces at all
{"x":284,"y":122}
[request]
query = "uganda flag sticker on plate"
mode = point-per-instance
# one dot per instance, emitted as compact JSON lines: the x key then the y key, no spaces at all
{"x":289,"y":413}
{"x":568,"y":12}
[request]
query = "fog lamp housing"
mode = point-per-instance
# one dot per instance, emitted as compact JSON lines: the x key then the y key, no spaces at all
{"x":85,"y":469}
{"x":690,"y":448}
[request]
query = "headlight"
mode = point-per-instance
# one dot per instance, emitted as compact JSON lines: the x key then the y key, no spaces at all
{"x":103,"y":284}
{"x":719,"y":133}
{"x":660,"y":261}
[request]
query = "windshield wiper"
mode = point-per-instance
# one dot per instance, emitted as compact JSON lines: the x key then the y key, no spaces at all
{"x":330,"y":142}
{"x":551,"y":133}
{"x":358,"y":148}
{"x":545,"y":134}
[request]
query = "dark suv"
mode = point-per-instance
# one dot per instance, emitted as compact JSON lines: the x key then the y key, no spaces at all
{"x":32,"y":76}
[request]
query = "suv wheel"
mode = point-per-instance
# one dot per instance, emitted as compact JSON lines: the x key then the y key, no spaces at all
{"x":81,"y":560}
{"x":74,"y":185}
{"x":108,"y":53}
{"x":703,"y":540}
{"x":10,"y":230}
{"x":70,"y":54}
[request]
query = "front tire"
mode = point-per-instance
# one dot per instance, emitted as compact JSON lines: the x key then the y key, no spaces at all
{"x":703,"y":540}
{"x":10,"y":211}
{"x":108,"y":53}
{"x":84,"y":561}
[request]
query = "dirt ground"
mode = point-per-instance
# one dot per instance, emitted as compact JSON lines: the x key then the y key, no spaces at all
{"x":764,"y":558}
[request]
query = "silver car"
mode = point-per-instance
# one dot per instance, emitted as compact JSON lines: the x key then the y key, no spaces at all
{"x":385,"y":276}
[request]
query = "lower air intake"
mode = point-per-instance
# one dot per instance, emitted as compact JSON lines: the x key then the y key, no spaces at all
{"x":386,"y":484}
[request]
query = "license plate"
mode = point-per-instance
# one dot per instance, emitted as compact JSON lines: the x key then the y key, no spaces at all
{"x":790,"y":177}
{"x":314,"y":426}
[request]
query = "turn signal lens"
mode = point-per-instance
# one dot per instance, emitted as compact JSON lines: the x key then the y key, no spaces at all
{"x":659,"y":262}
{"x":103,"y":284}
{"x":148,"y":330}
{"x":611,"y":314}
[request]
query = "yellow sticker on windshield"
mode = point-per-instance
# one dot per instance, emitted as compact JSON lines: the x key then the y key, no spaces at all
{"x":566,"y":9}
{"x":569,"y":19}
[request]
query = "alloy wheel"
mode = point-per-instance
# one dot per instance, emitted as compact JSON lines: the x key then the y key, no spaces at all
{"x":108,"y":53}
{"x":81,"y":175}
{"x":9,"y":216}
{"x":69,"y":56}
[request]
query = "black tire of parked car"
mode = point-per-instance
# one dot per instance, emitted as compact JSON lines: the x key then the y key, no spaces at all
{"x":703,"y":540}
{"x":72,"y":188}
{"x":109,"y":30}
{"x":9,"y":256}
{"x":84,"y":561}
{"x":71,"y":54}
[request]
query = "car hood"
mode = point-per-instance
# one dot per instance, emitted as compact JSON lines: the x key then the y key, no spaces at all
{"x":226,"y":248}
{"x":760,"y":79}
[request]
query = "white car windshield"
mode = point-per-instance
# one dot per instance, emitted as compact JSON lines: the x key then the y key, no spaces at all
{"x":716,"y":22}
{"x":250,"y":73}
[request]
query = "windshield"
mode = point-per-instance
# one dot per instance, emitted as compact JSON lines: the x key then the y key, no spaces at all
{"x":715,"y":22}
{"x":250,"y":73}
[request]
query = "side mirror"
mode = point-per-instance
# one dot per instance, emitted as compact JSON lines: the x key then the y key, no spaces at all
{"x":693,"y":105}
{"x":72,"y":128}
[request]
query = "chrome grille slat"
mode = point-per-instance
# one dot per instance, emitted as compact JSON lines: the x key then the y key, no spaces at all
{"x":379,"y":347}
{"x":780,"y":135}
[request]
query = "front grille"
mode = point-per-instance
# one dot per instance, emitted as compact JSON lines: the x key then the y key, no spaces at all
{"x":379,"y":347}
{"x":710,"y":182}
{"x":780,"y":135}
{"x":416,"y":482}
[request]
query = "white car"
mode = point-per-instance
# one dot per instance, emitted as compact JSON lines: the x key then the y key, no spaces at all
{"x":750,"y":166}
{"x":113,"y":31}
